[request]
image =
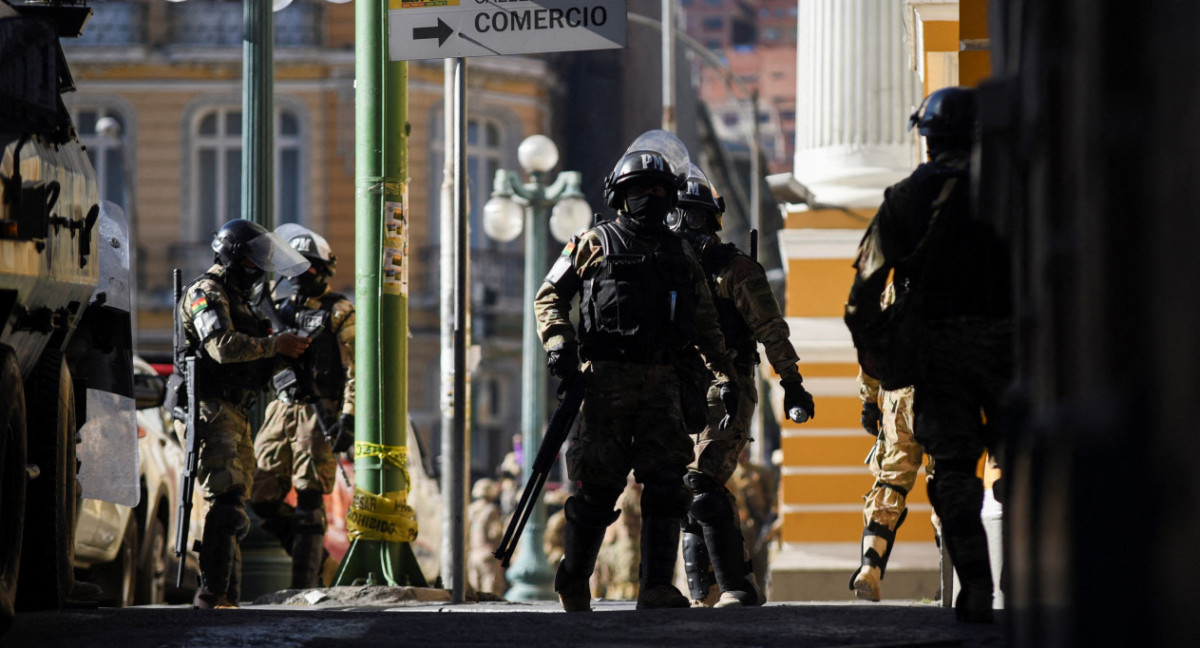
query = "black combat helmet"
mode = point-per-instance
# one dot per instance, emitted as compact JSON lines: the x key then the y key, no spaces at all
{"x":241,"y":240}
{"x":946,"y":113}
{"x":655,"y":157}
{"x":638,"y":167}
{"x":700,"y":206}
{"x":232,"y":241}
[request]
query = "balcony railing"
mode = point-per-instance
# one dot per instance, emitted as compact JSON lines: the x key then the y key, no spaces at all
{"x":114,"y":24}
{"x":218,"y":23}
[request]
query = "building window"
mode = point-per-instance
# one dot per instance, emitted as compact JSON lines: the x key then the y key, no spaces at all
{"x":713,"y":24}
{"x":485,"y":155}
{"x":105,"y":150}
{"x":120,"y":23}
{"x":216,"y":163}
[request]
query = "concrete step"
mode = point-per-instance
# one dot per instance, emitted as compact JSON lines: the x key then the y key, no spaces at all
{"x":821,"y":572}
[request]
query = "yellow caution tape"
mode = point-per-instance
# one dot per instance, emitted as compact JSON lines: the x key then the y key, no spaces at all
{"x":381,"y":517}
{"x":395,"y":455}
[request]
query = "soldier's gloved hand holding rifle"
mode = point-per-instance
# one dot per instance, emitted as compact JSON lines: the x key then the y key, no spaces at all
{"x":342,"y":435}
{"x":729,"y":394}
{"x":563,"y":359}
{"x":797,"y":402}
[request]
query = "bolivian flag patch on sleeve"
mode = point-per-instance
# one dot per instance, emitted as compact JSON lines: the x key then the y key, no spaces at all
{"x":198,"y":304}
{"x":569,"y":248}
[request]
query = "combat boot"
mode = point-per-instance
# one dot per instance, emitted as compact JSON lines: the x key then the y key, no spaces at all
{"x":974,"y":569}
{"x":660,"y":546}
{"x":308,"y":556}
{"x":731,"y":562}
{"x":217,"y":552}
{"x":877,"y":542}
{"x":702,"y":585}
{"x":582,"y":536}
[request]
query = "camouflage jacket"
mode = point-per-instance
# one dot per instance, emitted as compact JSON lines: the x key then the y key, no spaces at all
{"x":748,"y":308}
{"x":582,"y":259}
{"x":227,"y":332}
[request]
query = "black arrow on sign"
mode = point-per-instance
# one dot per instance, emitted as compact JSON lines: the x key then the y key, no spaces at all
{"x":441,"y":32}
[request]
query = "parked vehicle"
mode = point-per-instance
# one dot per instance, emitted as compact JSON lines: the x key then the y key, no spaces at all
{"x":127,"y":551}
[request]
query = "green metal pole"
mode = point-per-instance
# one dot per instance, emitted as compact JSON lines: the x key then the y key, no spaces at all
{"x":258,"y":113}
{"x":531,"y":575}
{"x":381,"y":360}
{"x":265,"y":567}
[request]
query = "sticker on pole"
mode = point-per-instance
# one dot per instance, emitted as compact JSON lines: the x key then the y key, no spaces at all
{"x":432,"y":29}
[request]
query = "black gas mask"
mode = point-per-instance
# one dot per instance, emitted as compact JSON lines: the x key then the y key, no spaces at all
{"x":243,"y":277}
{"x":310,"y":283}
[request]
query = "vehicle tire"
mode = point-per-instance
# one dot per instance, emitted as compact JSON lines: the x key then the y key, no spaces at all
{"x":152,"y":566}
{"x":119,"y":578}
{"x":51,"y":500}
{"x":13,"y":480}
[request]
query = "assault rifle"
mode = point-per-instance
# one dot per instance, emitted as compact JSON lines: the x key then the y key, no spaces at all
{"x":184,"y":409}
{"x":556,"y":434}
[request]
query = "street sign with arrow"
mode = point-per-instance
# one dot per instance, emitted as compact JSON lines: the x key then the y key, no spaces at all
{"x":429,"y":29}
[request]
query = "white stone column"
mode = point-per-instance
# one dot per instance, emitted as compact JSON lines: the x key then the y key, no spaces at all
{"x":854,"y":92}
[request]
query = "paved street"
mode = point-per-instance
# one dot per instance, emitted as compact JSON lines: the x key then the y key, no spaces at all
{"x":503,"y":624}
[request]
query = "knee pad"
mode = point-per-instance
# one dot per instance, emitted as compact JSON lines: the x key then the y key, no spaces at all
{"x":310,"y":512}
{"x":270,"y":509}
{"x":713,"y":508}
{"x":227,"y":516}
{"x":702,"y":483}
{"x":957,"y":497}
{"x":582,"y":513}
{"x":309,"y":500}
{"x":665,"y":499}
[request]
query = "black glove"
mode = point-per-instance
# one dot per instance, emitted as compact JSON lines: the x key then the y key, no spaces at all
{"x":797,"y":402}
{"x":563,"y":360}
{"x":729,"y":393}
{"x":871,"y":418}
{"x":341,"y":436}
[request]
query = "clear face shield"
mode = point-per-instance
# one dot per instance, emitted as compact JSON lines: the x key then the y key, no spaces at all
{"x":667,"y":144}
{"x":272,"y":254}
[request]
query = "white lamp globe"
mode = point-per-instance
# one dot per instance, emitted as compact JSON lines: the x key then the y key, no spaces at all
{"x":537,"y":153}
{"x":570,"y":217}
{"x":502,"y":219}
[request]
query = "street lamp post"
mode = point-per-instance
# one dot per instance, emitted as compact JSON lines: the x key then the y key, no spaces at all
{"x":561,"y":206}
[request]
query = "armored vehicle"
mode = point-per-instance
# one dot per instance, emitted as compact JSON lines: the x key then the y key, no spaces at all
{"x":49,"y":273}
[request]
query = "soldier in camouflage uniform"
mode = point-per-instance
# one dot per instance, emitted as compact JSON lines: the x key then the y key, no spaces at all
{"x":894,"y":461}
{"x":953,"y":271}
{"x":485,"y":529}
{"x":643,"y":299}
{"x":294,"y":449}
{"x":235,"y":354}
{"x":749,"y":315}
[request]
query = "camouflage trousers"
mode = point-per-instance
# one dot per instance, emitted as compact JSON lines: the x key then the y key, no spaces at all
{"x":631,"y":419}
{"x":894,"y":462}
{"x":291,"y":451}
{"x":226,"y":455}
{"x":717,"y":450}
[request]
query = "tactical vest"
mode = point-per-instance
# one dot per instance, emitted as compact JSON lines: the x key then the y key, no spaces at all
{"x":968,"y":274}
{"x":738,"y":336}
{"x":639,"y":306}
{"x":323,"y":359}
{"x":232,"y":381}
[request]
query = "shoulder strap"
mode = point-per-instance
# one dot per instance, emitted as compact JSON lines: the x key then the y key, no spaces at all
{"x":929,"y":240}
